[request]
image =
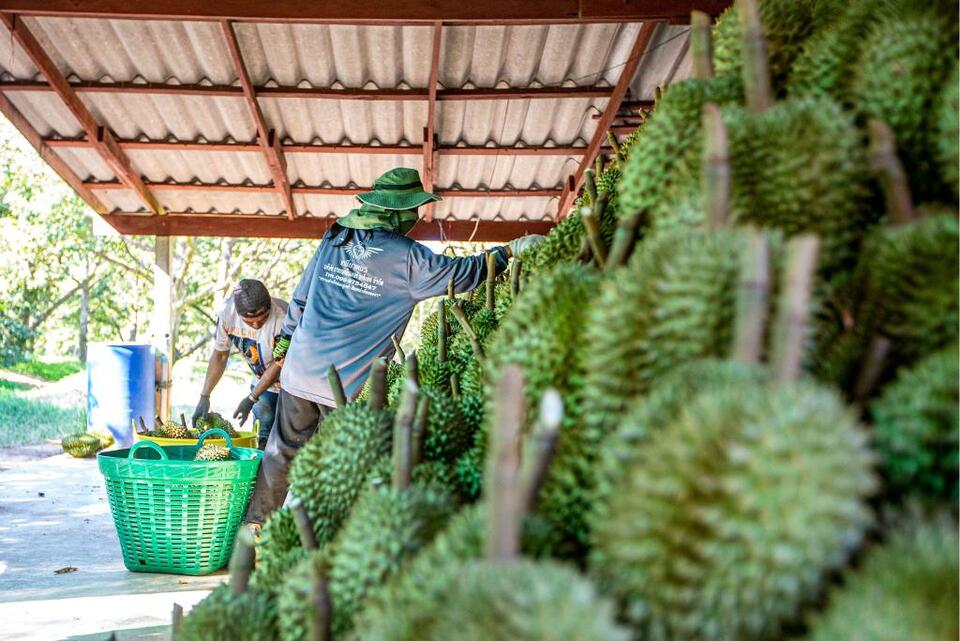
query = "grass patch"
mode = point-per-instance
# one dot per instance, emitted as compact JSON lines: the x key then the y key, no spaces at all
{"x":10,"y":385}
{"x":49,"y":371}
{"x":24,"y":421}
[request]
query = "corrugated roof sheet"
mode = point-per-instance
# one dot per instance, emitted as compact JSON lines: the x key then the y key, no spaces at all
{"x":336,"y":56}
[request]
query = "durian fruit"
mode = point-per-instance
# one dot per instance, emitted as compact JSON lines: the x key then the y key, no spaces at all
{"x":214,"y":420}
{"x":81,"y":445}
{"x":905,"y":589}
{"x":106,"y":439}
{"x":172,"y":429}
{"x":278,"y":550}
{"x":212,"y":453}
{"x":448,"y":434}
{"x":328,"y":472}
{"x":301,"y":598}
{"x":786,"y":23}
{"x":947,"y":135}
{"x":435,"y":365}
{"x":234,"y":611}
{"x":901,"y":73}
{"x":916,"y":427}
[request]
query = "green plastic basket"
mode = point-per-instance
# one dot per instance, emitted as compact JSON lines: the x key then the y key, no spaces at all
{"x":174,"y":514}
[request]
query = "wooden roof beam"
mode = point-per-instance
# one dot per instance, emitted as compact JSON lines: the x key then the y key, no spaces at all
{"x":398,"y":11}
{"x":640,"y":45}
{"x":102,"y":139}
{"x":429,"y":137}
{"x":268,"y":139}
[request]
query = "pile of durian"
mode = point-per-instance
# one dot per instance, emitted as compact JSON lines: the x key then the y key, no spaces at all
{"x":182,"y":430}
{"x":718,"y":403}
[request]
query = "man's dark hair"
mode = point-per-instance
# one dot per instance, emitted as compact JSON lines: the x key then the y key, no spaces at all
{"x":251,"y":297}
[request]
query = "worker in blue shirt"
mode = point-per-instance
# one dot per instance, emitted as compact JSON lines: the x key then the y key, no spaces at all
{"x":357,"y":292}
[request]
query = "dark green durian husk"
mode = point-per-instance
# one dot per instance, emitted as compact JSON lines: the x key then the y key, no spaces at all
{"x":296,"y":615}
{"x":278,"y":550}
{"x":947,"y":134}
{"x":222,"y":616}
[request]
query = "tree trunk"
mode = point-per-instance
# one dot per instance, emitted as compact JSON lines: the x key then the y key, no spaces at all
{"x":84,"y":320}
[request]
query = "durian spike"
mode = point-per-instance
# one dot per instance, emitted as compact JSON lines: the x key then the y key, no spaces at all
{"x":402,"y":428}
{"x":716,"y":167}
{"x":502,"y":491}
{"x":756,"y":64}
{"x":457,"y":310}
{"x":378,"y":384}
{"x":591,"y":221}
{"x":623,"y":240}
{"x":753,"y":299}
{"x":419,"y":431}
{"x":399,"y":350}
{"x":871,"y":370}
{"x":333,"y":377}
{"x":614,"y":144}
{"x":241,"y":561}
{"x":890,"y":173}
{"x":442,"y":332}
{"x":455,"y":385}
{"x":143,"y":426}
{"x":589,"y":187}
{"x":451,"y":290}
{"x":176,"y":620}
{"x":308,"y":539}
{"x":793,"y":311}
{"x":515,"y":272}
{"x":701,"y":45}
{"x":413,"y":368}
{"x":491,"y":279}
{"x":322,"y":609}
{"x":541,"y":444}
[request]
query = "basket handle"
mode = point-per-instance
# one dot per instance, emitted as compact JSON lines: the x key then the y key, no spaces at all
{"x":139,"y":445}
{"x":215,"y":432}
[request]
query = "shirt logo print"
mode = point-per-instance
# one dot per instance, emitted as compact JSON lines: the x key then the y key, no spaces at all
{"x":360,"y":252}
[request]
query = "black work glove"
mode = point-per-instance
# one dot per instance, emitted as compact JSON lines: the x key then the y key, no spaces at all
{"x":203,"y":407}
{"x":243,"y":409}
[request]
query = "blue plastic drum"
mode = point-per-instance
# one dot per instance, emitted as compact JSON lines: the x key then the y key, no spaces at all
{"x":120,"y":387}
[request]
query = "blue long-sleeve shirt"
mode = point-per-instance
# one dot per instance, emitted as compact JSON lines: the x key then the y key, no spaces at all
{"x":358,"y":291}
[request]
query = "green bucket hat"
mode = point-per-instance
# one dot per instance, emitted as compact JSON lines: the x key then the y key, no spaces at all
{"x":398,"y":189}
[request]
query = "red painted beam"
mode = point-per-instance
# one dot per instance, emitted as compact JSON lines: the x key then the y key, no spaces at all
{"x":323,"y":191}
{"x":429,"y":139}
{"x":259,"y":226}
{"x":267,"y":138}
{"x":104,"y":142}
{"x":640,"y":45}
{"x":320,"y":93}
{"x":352,"y":11}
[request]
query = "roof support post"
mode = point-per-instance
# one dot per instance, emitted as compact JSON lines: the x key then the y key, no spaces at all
{"x":268,"y":139}
{"x":103,"y":140}
{"x":429,"y":139}
{"x":161,"y":322}
{"x":640,"y":45}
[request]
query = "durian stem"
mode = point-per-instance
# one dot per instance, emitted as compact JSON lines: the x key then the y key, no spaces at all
{"x":176,"y":620}
{"x":542,"y":444}
{"x":322,"y":610}
{"x":590,"y":187}
{"x":491,"y":279}
{"x":890,"y":173}
{"x":503,"y":468}
{"x":157,"y":421}
{"x":241,"y":561}
{"x":413,"y":368}
{"x":716,"y":167}
{"x":442,"y":332}
{"x":585,"y":255}
{"x":183,"y":419}
{"x":701,"y":46}
{"x":419,"y":431}
{"x":451,"y":290}
{"x":402,"y":428}
{"x":598,"y":161}
{"x":793,"y":311}
{"x":591,"y":221}
{"x":378,"y":384}
{"x":753,"y":299}
{"x":657,"y":94}
{"x":756,"y":65}
{"x":457,"y":310}
{"x":308,"y":538}
{"x":399,"y":350}
{"x":515,"y":271}
{"x":623,"y":240}
{"x":871,"y":370}
{"x":143,"y":426}
{"x":455,"y":385}
{"x":336,"y":385}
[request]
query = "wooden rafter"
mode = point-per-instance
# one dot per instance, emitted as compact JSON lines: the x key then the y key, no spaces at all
{"x":269,"y":142}
{"x":262,"y":226}
{"x":640,"y":45}
{"x":307,"y":148}
{"x":318,"y":93}
{"x":304,"y":190}
{"x":429,"y":136}
{"x":102,"y":139}
{"x":398,"y":11}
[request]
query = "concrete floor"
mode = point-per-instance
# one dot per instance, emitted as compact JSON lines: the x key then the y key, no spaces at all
{"x":54,"y":515}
